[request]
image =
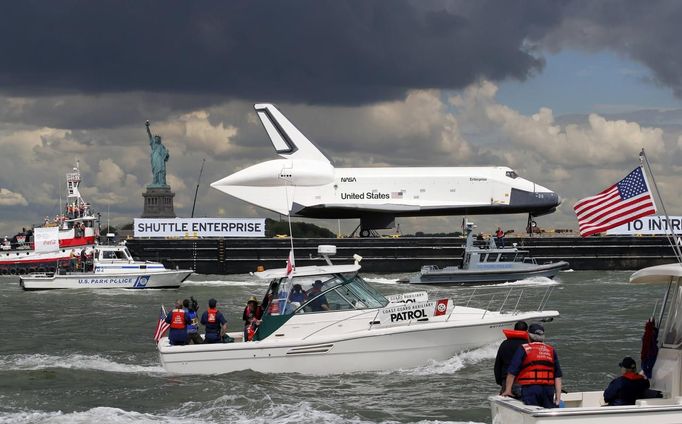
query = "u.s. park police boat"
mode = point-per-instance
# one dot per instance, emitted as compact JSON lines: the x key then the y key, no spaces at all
{"x":110,"y":267}
{"x":41,"y":248}
{"x":665,"y":402}
{"x":487,"y":265}
{"x":345,"y":325}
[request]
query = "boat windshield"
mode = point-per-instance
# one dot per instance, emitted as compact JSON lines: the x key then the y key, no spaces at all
{"x":333,"y":292}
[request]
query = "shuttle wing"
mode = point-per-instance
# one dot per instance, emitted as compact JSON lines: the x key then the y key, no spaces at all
{"x":287,"y":140}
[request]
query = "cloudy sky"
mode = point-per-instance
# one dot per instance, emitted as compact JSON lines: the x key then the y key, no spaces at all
{"x":564,"y":92}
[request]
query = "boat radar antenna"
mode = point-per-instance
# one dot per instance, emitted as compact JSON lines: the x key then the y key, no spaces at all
{"x":669,"y":234}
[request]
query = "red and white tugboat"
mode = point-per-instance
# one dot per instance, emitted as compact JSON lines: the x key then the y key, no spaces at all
{"x":45,"y":246}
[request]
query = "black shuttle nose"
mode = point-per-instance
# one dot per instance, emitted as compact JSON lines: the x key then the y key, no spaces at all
{"x":536,"y":203}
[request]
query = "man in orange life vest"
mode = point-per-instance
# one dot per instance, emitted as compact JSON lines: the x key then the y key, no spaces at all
{"x":178,"y":320}
{"x":515,"y":338}
{"x":535,"y":366}
{"x":215,"y":323}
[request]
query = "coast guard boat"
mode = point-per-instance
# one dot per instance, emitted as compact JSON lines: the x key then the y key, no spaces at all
{"x":112,"y":267}
{"x":588,"y":407}
{"x":488,"y":266}
{"x":345,"y":325}
{"x":75,"y":228}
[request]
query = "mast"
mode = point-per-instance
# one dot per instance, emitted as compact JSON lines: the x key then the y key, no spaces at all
{"x":669,"y":234}
{"x":194,"y":203}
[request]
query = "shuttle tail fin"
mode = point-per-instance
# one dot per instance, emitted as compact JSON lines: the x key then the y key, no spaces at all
{"x":287,"y":140}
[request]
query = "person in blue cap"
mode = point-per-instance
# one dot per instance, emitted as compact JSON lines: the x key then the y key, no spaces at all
{"x":535,"y":367}
{"x":627,"y":388}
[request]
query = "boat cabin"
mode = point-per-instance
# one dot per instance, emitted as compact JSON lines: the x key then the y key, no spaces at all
{"x":314,"y":289}
{"x":111,"y":254}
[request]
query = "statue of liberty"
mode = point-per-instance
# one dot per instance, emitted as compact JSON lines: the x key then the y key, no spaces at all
{"x":159,"y":157}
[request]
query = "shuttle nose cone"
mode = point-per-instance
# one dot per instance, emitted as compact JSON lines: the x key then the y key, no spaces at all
{"x":535,"y":202}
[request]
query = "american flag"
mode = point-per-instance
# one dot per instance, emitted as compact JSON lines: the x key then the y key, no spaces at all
{"x":625,"y":201}
{"x":161,"y":326}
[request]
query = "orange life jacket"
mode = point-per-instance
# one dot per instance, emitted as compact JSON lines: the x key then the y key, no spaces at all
{"x":250,"y":332}
{"x":515,"y":334}
{"x":211,"y":317}
{"x":538,"y":365}
{"x":177,"y":319}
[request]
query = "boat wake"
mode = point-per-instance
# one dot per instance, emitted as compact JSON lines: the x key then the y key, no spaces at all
{"x":532,"y":281}
{"x":456,"y":363}
{"x":74,"y":361}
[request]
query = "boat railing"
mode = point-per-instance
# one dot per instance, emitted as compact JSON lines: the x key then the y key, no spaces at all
{"x":505,"y":300}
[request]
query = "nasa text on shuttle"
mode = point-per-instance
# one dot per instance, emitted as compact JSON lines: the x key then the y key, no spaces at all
{"x":199,"y":227}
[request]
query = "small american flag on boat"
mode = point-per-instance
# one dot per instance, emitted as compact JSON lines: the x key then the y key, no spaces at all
{"x":161,"y":326}
{"x":625,"y":201}
{"x":396,"y":195}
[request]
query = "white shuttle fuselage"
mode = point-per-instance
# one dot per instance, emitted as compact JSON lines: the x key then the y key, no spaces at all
{"x":305,"y":183}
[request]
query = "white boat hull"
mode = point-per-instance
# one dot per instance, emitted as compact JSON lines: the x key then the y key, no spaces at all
{"x":585,"y":408}
{"x":369,"y":349}
{"x":129,"y":280}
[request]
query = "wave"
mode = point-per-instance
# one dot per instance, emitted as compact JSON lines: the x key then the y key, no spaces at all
{"x":101,"y":415}
{"x":456,"y":363}
{"x":74,"y":361}
{"x":216,"y":412}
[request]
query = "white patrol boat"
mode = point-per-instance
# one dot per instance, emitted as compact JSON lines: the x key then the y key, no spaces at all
{"x":111,"y":267}
{"x":342,"y":324}
{"x":589,"y":407}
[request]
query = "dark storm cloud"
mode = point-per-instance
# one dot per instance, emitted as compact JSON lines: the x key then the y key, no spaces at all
{"x":346,"y":52}
{"x":646,"y":31}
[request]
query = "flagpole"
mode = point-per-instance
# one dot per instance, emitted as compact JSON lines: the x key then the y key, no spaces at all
{"x":672,"y":239}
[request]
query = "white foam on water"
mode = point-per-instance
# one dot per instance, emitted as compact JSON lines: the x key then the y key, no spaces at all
{"x":379,"y":280}
{"x":532,"y":281}
{"x":274,"y":414}
{"x":225,"y":283}
{"x":73,"y":361}
{"x":100,"y":415}
{"x":567,"y":270}
{"x":264,"y":411}
{"x":456,"y":363}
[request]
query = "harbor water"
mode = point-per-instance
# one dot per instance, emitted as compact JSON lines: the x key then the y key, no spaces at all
{"x":86,"y":356}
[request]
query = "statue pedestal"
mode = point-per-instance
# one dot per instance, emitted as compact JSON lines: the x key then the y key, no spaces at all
{"x":158,"y":202}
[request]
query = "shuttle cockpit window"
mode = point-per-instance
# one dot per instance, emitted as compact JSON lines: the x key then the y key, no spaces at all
{"x":512,"y":174}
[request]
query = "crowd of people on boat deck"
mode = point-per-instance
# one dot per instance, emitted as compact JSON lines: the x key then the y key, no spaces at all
{"x":528,"y":369}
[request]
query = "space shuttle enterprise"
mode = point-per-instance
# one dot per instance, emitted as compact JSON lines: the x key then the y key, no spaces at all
{"x":305,"y":183}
